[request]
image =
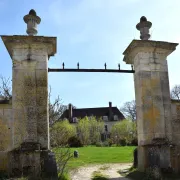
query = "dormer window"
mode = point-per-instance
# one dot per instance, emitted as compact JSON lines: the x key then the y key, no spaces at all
{"x":75,"y":120}
{"x":115,"y":118}
{"x":105,"y":118}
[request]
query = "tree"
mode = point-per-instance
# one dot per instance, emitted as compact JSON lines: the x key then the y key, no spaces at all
{"x":96,"y":128}
{"x":89,"y":130}
{"x":5,"y":88}
{"x":123,"y":130}
{"x":63,"y":155}
{"x":56,"y":108}
{"x":175,"y":92}
{"x":129,"y":110}
{"x":60,"y":133}
{"x":83,"y":131}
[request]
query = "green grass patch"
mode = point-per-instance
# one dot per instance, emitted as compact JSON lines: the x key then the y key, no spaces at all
{"x":100,"y":155}
{"x":65,"y":176}
{"x":97,"y":175}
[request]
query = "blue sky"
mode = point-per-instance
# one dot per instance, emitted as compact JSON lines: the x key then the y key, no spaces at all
{"x":92,"y":32}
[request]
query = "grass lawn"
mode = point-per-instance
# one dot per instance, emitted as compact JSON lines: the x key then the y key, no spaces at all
{"x":100,"y":155}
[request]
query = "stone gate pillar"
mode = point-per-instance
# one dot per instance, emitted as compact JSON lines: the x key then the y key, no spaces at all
{"x":152,"y":94}
{"x":30,"y":55}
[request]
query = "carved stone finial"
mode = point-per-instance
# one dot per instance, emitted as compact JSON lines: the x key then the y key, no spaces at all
{"x":143,"y":26}
{"x":32,"y":20}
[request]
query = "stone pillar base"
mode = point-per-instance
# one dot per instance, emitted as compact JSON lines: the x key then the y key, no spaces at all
{"x":34,"y":164}
{"x":156,"y":156}
{"x":142,"y":163}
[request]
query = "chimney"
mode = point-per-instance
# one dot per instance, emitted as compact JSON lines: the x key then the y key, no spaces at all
{"x":110,"y":111}
{"x":70,"y":113}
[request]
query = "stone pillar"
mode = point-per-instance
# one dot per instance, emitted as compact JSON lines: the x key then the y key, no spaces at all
{"x":30,"y":56}
{"x":152,"y":94}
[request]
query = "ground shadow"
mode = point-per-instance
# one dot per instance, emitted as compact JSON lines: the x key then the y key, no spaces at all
{"x":119,"y":178}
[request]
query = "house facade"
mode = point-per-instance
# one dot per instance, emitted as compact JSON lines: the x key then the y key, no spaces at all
{"x":109,"y":115}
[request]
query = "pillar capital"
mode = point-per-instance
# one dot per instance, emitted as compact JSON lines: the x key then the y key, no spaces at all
{"x":147,"y":46}
{"x":32,"y":43}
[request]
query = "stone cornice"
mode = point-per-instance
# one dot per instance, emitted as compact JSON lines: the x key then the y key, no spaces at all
{"x":11,"y":41}
{"x":147,"y":46}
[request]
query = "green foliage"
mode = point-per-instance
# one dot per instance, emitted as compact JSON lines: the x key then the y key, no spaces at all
{"x":97,"y":175}
{"x":89,"y":130}
{"x":74,"y":142}
{"x":61,"y":132}
{"x":110,"y":142}
{"x":64,"y":176}
{"x":99,"y":144}
{"x":106,"y":143}
{"x":96,"y":128}
{"x":123,"y":132}
{"x":83,"y":131}
{"x":123,"y":142}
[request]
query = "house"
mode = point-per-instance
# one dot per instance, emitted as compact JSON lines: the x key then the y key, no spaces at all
{"x":109,"y":115}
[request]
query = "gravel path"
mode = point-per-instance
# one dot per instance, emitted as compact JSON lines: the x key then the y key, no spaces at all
{"x":85,"y":173}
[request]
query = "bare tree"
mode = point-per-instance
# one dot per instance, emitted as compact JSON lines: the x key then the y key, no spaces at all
{"x":175,"y":92}
{"x":129,"y":109}
{"x":56,"y":109}
{"x":5,"y":88}
{"x":63,"y":155}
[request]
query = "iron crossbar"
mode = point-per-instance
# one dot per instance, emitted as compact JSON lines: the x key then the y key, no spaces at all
{"x":91,"y":70}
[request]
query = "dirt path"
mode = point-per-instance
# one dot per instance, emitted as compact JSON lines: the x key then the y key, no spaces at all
{"x":85,"y":173}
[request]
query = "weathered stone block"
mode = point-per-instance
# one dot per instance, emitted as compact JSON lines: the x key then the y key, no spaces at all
{"x":3,"y":161}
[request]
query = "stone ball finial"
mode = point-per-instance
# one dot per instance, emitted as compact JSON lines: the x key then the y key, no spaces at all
{"x":143,"y":19}
{"x":143,"y":26}
{"x":32,"y":20}
{"x":32,"y":12}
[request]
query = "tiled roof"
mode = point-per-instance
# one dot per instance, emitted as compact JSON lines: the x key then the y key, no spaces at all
{"x":4,"y":101}
{"x":98,"y":112}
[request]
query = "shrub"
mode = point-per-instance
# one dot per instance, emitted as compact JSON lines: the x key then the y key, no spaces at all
{"x":74,"y":142}
{"x":110,"y":142}
{"x":123,"y":142}
{"x":102,"y":144}
{"x":134,"y":142}
{"x":105,"y":143}
{"x":89,"y":130}
{"x":123,"y":129}
{"x":61,"y":132}
{"x":99,"y":144}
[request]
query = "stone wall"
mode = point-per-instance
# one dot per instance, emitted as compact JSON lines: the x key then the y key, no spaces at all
{"x":6,"y":130}
{"x":175,"y":108}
